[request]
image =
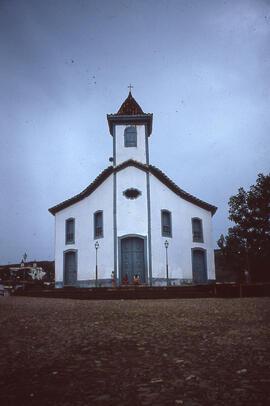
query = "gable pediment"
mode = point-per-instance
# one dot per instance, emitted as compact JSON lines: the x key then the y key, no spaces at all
{"x":146,"y":168}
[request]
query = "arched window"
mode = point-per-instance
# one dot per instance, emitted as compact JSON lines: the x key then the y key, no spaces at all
{"x":98,"y":224}
{"x":130,"y":136}
{"x":197,"y":231}
{"x":166,"y":223}
{"x":70,"y":231}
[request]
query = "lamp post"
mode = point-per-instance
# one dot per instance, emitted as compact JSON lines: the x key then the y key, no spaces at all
{"x":167,"y":268}
{"x":96,"y":247}
{"x":22,"y":266}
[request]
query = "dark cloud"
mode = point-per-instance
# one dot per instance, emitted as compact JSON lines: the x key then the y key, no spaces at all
{"x":202,"y":68}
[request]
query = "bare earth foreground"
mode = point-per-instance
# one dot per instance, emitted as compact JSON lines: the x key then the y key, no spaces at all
{"x":150,"y":352}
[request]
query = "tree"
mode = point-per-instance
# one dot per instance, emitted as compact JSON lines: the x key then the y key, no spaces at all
{"x":247,"y":245}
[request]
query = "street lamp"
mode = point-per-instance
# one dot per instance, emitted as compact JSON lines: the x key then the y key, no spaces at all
{"x":167,"y":268}
{"x":96,"y":247}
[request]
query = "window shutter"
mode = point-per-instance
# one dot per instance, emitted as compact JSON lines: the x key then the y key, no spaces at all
{"x":130,"y":137}
{"x":70,"y":231}
{"x":98,"y":224}
{"x":166,"y":223}
{"x":197,"y":230}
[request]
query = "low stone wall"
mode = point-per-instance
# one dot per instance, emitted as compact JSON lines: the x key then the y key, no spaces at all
{"x":152,"y":292}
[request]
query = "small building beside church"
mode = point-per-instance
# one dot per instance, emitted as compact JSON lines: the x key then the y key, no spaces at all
{"x":122,"y":221}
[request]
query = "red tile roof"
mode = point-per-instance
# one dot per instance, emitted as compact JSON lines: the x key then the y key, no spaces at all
{"x":130,"y":107}
{"x":130,"y":113}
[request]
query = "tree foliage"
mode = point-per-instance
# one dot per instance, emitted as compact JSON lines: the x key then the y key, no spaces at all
{"x":247,"y":245}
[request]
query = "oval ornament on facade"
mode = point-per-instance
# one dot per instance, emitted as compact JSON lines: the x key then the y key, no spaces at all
{"x":132,"y":193}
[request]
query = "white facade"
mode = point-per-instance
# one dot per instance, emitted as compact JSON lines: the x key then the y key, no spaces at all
{"x":123,"y":153}
{"x":83,"y":214}
{"x":130,"y":195}
{"x":131,"y":213}
{"x":181,"y":242}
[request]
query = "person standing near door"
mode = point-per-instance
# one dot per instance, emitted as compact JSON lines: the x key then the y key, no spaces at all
{"x":136,"y":279}
{"x":113,"y":279}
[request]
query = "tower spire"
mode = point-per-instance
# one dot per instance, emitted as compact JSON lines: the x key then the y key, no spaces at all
{"x":130,"y":112}
{"x":130,"y":107}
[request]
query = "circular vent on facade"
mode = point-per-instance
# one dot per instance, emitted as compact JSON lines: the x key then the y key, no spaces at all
{"x":132,"y":193}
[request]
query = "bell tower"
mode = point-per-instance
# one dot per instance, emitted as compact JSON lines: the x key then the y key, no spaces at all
{"x":130,"y":128}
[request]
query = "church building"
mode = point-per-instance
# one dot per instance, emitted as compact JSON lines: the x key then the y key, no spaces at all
{"x":133,"y":219}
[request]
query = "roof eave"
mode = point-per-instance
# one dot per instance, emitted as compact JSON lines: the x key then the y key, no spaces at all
{"x":86,"y":192}
{"x":180,"y":192}
{"x":148,"y":168}
{"x":127,"y":119}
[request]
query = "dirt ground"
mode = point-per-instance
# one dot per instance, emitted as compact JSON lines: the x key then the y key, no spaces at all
{"x":191,"y":352}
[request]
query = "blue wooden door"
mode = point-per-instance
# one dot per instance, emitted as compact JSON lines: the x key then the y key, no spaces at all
{"x":132,"y":258}
{"x":70,"y":268}
{"x":199,"y":266}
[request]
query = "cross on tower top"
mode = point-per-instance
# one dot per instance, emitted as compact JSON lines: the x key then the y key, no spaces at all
{"x":130,"y":87}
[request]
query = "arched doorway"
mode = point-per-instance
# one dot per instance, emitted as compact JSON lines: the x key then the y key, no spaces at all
{"x":132,"y":258}
{"x":70,"y":267}
{"x":199,"y":268}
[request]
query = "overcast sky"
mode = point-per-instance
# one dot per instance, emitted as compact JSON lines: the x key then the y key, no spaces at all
{"x":201,"y":67}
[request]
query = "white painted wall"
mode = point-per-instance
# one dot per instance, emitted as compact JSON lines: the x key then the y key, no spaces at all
{"x":131,"y":213}
{"x":179,"y":251}
{"x":82,"y":211}
{"x":124,"y":153}
{"x":132,"y":218}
